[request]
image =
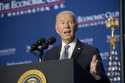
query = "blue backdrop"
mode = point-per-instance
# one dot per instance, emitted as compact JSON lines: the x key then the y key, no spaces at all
{"x":22,"y":22}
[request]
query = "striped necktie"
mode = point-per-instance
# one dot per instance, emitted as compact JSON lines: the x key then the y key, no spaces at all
{"x":65,"y":52}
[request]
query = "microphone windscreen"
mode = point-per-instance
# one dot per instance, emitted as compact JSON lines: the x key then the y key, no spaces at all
{"x":41,"y":41}
{"x":51,"y":40}
{"x":34,"y":47}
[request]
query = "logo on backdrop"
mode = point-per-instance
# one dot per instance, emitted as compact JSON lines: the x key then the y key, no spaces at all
{"x":32,"y":76}
{"x":88,"y":40}
{"x":9,"y":51}
{"x":19,"y":7}
{"x":96,"y":19}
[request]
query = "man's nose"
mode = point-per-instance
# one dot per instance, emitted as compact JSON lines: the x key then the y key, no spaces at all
{"x":66,"y":25}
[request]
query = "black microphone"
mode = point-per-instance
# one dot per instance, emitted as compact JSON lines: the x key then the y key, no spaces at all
{"x":40,"y":41}
{"x":51,"y":40}
{"x":33,"y":47}
{"x":38,"y":45}
{"x":48,"y":42}
{"x":41,"y":44}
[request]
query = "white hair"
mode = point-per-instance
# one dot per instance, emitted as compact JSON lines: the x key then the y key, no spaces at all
{"x":67,"y":12}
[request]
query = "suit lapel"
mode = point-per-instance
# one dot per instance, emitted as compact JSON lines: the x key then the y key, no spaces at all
{"x":77,"y":50}
{"x":58,"y":52}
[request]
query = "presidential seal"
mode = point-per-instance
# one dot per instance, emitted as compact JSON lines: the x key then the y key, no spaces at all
{"x":32,"y":76}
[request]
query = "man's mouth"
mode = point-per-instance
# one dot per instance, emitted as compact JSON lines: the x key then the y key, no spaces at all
{"x":67,"y":32}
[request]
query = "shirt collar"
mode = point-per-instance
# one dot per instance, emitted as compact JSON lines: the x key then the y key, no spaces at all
{"x":71,"y":44}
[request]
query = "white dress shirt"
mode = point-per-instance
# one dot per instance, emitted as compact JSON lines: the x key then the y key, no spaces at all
{"x":70,"y":49}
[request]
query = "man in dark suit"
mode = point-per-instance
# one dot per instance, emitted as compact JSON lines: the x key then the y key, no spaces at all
{"x":71,"y":48}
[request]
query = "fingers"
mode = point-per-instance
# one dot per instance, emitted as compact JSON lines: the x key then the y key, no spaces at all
{"x":94,"y":68}
{"x":94,"y":59}
{"x":93,"y":65}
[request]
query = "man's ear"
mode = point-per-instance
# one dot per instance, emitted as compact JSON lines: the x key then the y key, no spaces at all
{"x":76,"y":27}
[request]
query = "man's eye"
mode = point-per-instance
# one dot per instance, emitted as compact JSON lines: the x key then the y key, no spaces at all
{"x":70,"y":22}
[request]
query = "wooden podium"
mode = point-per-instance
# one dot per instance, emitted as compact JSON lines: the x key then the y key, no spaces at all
{"x":65,"y":71}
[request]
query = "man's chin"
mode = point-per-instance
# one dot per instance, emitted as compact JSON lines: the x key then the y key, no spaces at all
{"x":68,"y":39}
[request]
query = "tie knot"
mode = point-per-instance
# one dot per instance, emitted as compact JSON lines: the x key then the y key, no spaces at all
{"x":66,"y":46}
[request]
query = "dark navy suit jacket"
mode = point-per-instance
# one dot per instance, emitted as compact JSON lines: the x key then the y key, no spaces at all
{"x":83,"y":54}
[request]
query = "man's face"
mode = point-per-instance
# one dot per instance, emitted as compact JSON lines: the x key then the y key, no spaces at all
{"x":66,"y":27}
